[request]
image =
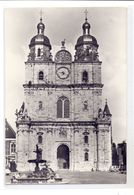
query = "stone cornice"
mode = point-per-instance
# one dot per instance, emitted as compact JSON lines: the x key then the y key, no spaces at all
{"x":104,"y":122}
{"x":33,"y":62}
{"x":52,"y":62}
{"x":83,"y":85}
{"x":88,"y":63}
{"x":64,"y":123}
{"x":58,"y":123}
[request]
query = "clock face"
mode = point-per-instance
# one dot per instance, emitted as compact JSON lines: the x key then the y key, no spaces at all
{"x":63,"y":73}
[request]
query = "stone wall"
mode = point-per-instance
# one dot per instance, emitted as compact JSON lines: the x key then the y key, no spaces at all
{"x":44,"y":121}
{"x":49,"y":98}
{"x":53,"y":137}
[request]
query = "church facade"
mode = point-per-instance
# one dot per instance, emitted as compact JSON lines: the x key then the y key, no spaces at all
{"x":62,"y":112}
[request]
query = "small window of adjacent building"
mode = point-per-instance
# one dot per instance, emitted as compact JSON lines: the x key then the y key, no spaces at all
{"x":39,"y":52}
{"x":86,"y":139}
{"x":13,"y":147}
{"x":85,"y":76}
{"x":86,"y":156}
{"x":41,"y":75}
{"x":40,"y":139}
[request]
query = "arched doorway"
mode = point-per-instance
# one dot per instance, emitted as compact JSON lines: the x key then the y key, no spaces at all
{"x":63,"y":156}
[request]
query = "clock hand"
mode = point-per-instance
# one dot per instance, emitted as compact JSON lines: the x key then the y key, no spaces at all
{"x":63,"y":72}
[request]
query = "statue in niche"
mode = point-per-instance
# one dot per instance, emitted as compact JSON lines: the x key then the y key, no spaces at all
{"x":85,"y":105}
{"x":45,"y":55}
{"x":100,"y":114}
{"x":95,"y":56}
{"x":87,"y":51}
{"x":32,"y":55}
{"x":106,"y":117}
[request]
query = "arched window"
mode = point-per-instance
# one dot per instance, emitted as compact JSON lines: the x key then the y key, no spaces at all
{"x":85,"y":76}
{"x":86,"y":156}
{"x":59,"y":108}
{"x":40,"y":139}
{"x":66,"y":108}
{"x":63,"y":107}
{"x":40,"y":105}
{"x":39,"y":52}
{"x":86,"y":139}
{"x":41,"y":75}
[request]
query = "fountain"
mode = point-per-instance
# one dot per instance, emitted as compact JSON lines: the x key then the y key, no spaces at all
{"x":44,"y":175}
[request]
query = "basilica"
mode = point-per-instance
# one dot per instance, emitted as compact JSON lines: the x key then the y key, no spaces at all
{"x":62,"y":112}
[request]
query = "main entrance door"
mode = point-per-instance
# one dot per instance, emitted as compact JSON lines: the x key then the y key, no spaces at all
{"x":63,"y":156}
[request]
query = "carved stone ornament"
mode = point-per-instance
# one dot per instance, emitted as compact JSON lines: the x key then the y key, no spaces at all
{"x":50,"y":92}
{"x":102,"y":116}
{"x":76,"y":91}
{"x":86,"y":132}
{"x":86,"y":150}
{"x":63,"y":132}
{"x":22,"y":114}
{"x":63,"y":57}
{"x":76,"y":130}
{"x":87,"y":55}
{"x":49,"y":130}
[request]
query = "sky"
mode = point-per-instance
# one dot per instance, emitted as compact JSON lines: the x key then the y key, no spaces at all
{"x":108,"y":26}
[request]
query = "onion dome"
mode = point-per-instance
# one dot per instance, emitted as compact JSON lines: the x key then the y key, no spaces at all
{"x":86,"y":46}
{"x":40,"y":38}
{"x":86,"y":38}
{"x":63,"y":56}
{"x":86,"y":27}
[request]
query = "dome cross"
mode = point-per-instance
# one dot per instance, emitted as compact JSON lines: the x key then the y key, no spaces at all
{"x":41,"y":13}
{"x":86,"y":12}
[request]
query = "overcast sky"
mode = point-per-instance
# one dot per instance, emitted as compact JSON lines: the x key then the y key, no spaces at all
{"x":108,"y":25}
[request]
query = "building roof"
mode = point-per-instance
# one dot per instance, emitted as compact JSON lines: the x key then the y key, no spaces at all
{"x":10,"y":133}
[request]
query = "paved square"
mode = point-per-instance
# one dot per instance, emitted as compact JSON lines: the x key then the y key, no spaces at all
{"x":77,"y":177}
{"x":92,"y":177}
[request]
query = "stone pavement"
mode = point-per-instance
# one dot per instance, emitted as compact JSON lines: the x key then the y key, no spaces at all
{"x":92,"y":177}
{"x":78,"y":177}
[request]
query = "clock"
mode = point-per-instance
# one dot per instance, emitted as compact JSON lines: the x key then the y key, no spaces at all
{"x":63,"y":72}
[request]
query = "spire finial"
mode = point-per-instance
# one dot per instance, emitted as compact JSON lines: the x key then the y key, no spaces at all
{"x":105,"y":101}
{"x":63,"y":44}
{"x":40,"y":25}
{"x":86,"y":12}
